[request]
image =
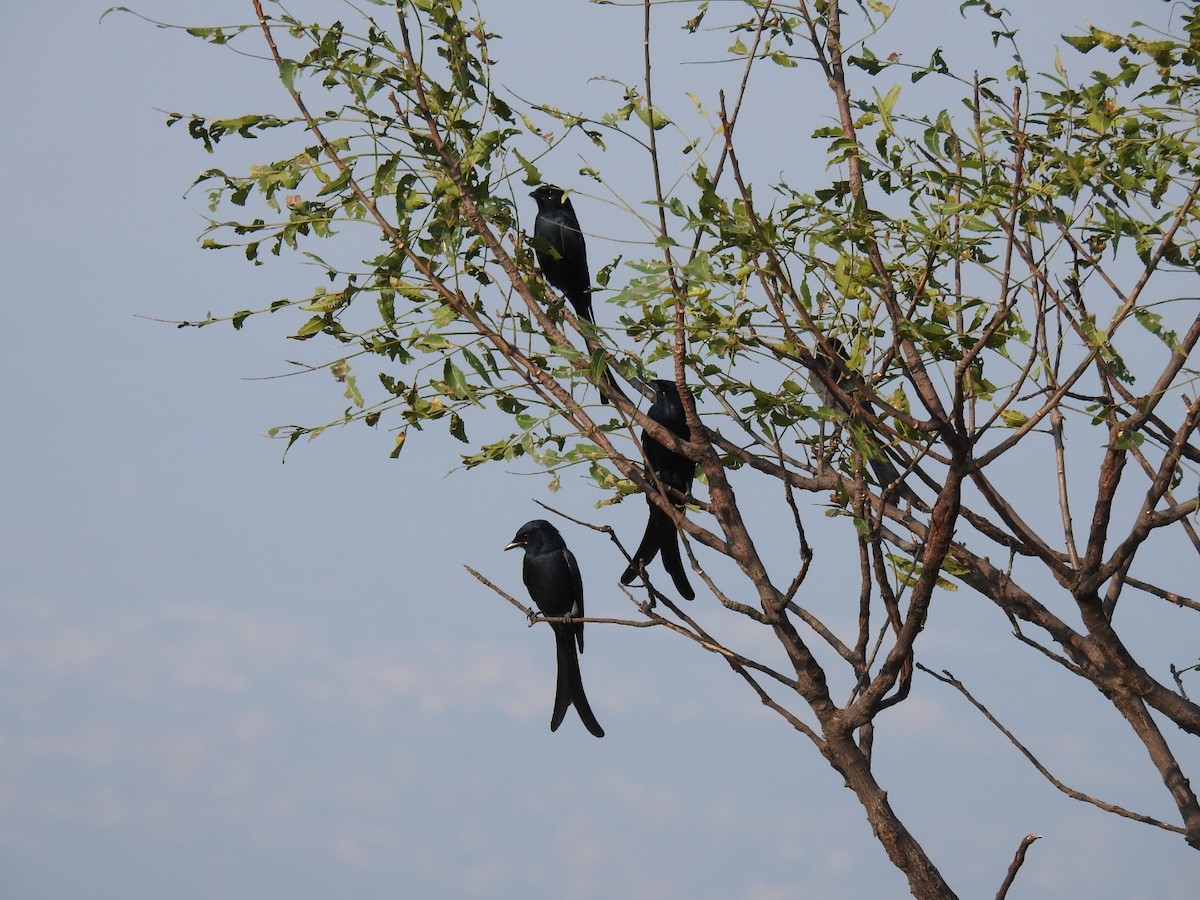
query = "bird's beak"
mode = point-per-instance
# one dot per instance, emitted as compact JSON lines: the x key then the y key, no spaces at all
{"x":533,"y":193}
{"x":513,"y":544}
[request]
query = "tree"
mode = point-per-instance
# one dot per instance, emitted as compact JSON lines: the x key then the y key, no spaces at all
{"x":972,"y":292}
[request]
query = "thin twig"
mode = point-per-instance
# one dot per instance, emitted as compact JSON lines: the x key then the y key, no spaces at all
{"x":1177,"y":674}
{"x":534,"y":616}
{"x":947,"y":678}
{"x":1170,"y":596}
{"x":529,"y":613}
{"x":1018,"y":859}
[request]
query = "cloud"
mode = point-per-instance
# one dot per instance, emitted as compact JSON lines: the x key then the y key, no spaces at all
{"x":205,"y":652}
{"x":197,"y":695}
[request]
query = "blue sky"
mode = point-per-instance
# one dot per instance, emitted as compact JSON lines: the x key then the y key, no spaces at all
{"x":227,"y":676}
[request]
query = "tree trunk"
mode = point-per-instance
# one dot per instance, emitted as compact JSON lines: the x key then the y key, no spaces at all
{"x":924,"y":880}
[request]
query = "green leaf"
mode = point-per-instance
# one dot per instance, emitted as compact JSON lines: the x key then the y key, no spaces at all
{"x":532,"y":175}
{"x":692,"y":24}
{"x":477,"y":364}
{"x":1082,"y":42}
{"x":597,"y":366}
{"x":455,"y":380}
{"x":1128,"y":440}
{"x":352,"y":393}
{"x":336,"y":184}
{"x":287,"y":74}
{"x":886,"y":104}
{"x":1152,"y":322}
{"x":652,"y":117}
{"x":400,"y":439}
{"x":310,"y":328}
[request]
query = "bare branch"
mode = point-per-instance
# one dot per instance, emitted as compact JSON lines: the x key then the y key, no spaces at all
{"x":1169,"y":596}
{"x":947,"y":678}
{"x":529,"y":613}
{"x":1015,"y":865}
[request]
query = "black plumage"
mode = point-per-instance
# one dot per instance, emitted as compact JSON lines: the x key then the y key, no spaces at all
{"x":561,"y":252}
{"x":555,"y":585}
{"x":674,"y":471}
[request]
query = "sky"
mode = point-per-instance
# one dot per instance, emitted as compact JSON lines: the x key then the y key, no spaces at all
{"x":227,"y":675}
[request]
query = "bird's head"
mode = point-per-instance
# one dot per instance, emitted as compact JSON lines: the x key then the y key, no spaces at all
{"x":666,"y":392}
{"x":534,"y":534}
{"x":549,"y":196}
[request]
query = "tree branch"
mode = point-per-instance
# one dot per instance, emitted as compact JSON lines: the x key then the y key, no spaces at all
{"x":946,"y":678}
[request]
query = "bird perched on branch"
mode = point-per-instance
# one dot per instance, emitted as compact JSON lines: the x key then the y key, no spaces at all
{"x":561,"y":252}
{"x":552,"y":577}
{"x":852,"y":384}
{"x":674,"y":471}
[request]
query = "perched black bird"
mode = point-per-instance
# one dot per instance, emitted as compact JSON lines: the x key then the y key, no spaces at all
{"x":560,"y":249}
{"x":561,"y":252}
{"x":675,"y":471}
{"x":885,"y":472}
{"x":552,"y":577}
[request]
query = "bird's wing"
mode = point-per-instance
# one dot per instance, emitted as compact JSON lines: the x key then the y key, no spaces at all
{"x":576,"y":609}
{"x":574,"y":247}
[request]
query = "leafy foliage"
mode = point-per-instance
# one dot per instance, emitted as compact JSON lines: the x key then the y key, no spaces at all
{"x":990,"y":275}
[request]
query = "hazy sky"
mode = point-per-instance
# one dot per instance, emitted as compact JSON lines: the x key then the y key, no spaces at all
{"x":229,"y":677}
